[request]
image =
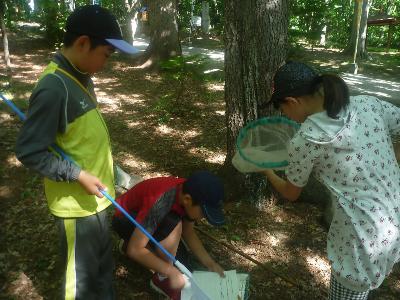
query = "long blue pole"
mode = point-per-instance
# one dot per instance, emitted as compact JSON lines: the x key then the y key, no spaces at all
{"x":22,"y":116}
{"x":198,"y":293}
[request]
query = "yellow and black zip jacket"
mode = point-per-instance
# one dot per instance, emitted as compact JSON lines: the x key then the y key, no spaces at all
{"x":63,"y":110}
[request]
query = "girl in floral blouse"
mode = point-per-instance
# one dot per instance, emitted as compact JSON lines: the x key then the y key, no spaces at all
{"x":347,"y":142}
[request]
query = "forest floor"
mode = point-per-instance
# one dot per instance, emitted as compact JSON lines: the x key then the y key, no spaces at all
{"x":163,"y":126}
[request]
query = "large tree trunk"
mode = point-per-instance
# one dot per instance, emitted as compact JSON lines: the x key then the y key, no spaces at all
{"x":362,"y":33}
{"x":255,"y":46}
{"x":164,"y":40}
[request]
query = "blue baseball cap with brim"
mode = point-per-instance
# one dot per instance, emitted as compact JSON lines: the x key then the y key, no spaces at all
{"x":98,"y":22}
{"x":207,"y":189}
{"x":123,"y":46}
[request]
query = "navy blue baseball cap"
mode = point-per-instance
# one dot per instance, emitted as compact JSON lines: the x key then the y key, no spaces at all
{"x":293,"y":79}
{"x":98,"y":22}
{"x":207,"y":189}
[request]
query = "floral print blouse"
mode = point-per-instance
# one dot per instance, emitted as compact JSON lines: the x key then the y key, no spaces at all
{"x":353,"y":156}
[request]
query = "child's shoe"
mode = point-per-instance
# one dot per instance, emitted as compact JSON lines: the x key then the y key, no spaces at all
{"x":163,"y":287}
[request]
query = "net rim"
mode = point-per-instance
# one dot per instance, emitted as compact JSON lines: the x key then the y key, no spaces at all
{"x":264,"y":121}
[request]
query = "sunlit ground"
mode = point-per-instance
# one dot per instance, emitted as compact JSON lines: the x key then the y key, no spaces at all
{"x":287,"y":238}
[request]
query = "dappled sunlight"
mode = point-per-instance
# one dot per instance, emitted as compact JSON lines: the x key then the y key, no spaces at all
{"x":215,"y":55}
{"x":208,"y":155}
{"x":216,"y":87}
{"x":134,"y":124}
{"x":115,"y":103}
{"x":22,"y":287}
{"x":329,"y":64}
{"x":5,"y":192}
{"x":103,"y":80}
{"x":212,"y":71}
{"x":269,"y":239}
{"x":13,"y":161}
{"x":134,"y":162}
{"x":216,"y":158}
{"x":396,"y":285}
{"x":163,"y":129}
{"x":388,"y":90}
{"x":318,"y":266}
{"x":5,"y":117}
{"x":112,"y":105}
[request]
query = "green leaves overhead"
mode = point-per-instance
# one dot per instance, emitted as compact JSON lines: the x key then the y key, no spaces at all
{"x":308,"y":18}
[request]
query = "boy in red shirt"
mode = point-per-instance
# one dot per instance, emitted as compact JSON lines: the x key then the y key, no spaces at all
{"x":167,"y":208}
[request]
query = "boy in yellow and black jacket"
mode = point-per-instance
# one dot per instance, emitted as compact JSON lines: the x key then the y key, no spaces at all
{"x":63,"y":110}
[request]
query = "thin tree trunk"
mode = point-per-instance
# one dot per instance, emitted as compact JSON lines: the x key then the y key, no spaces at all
{"x":255,"y":46}
{"x":5,"y":40}
{"x":36,"y":6}
{"x":362,"y":44}
{"x":205,"y":18}
{"x":131,"y":19}
{"x":362,"y":33}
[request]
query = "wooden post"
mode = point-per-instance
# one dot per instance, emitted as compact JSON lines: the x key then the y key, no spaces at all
{"x":390,"y":34}
{"x":358,"y":21}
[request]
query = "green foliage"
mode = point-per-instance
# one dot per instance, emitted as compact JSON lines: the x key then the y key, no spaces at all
{"x":186,"y":8}
{"x":181,"y":73}
{"x":13,"y":11}
{"x":308,"y":18}
{"x":51,"y":16}
{"x":166,"y":108}
{"x":217,"y":15}
{"x":180,"y":67}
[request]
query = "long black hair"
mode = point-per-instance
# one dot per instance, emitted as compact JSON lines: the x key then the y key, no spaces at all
{"x":336,"y":93}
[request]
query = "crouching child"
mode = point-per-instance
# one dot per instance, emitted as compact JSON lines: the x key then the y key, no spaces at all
{"x":167,"y":208}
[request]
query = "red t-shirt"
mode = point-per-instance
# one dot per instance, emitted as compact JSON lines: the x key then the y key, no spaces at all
{"x":151,"y":200}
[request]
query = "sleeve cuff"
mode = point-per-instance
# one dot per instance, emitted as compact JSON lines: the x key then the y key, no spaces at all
{"x":75,"y":174}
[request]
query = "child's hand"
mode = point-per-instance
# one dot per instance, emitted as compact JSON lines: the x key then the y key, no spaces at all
{"x":215,"y":267}
{"x":91,"y":184}
{"x":176,"y":279}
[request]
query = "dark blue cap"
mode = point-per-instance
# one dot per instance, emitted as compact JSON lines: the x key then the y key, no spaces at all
{"x":98,"y":22}
{"x":207,"y":189}
{"x":293,"y":79}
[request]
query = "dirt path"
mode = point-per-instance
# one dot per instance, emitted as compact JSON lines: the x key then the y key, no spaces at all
{"x":384,"y":88}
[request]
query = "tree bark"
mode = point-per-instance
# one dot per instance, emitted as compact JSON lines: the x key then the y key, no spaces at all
{"x":255,"y":46}
{"x":36,"y":6}
{"x":5,"y":39}
{"x":164,"y":40}
{"x":205,"y":18}
{"x":362,"y":33}
{"x":131,"y":19}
